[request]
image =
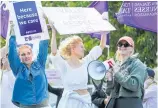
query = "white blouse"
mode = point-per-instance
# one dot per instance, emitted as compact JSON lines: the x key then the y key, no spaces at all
{"x":75,"y":78}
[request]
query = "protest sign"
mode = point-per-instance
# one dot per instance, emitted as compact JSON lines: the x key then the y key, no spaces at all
{"x":29,"y":22}
{"x":139,"y":14}
{"x":74,"y":20}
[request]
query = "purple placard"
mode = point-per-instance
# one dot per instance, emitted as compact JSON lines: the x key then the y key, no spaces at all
{"x":4,"y":19}
{"x":101,"y":7}
{"x":139,"y":14}
{"x":27,"y":17}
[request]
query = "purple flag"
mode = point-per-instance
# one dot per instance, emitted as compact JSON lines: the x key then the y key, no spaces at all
{"x":4,"y":20}
{"x":101,"y":7}
{"x":139,"y":14}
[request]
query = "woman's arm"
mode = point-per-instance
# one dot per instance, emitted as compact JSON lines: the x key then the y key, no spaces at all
{"x":56,"y":91}
{"x":96,"y":51}
{"x":98,"y":98}
{"x":53,"y":40}
{"x":103,"y":40}
{"x":43,"y":51}
{"x":13,"y":56}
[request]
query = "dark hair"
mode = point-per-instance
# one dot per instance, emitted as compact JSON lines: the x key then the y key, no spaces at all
{"x":150,"y":72}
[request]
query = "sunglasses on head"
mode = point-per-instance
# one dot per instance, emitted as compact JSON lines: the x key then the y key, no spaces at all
{"x":125,"y":44}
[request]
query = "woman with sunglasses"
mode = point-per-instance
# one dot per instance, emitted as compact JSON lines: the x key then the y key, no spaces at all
{"x":125,"y":82}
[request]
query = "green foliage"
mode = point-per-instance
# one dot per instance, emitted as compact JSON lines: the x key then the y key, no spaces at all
{"x":145,"y":42}
{"x":2,"y":41}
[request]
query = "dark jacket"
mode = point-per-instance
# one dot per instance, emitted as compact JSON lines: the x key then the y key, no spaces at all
{"x":57,"y":91}
{"x":98,"y":96}
{"x":127,"y":84}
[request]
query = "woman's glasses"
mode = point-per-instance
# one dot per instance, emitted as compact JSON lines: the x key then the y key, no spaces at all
{"x":125,"y":44}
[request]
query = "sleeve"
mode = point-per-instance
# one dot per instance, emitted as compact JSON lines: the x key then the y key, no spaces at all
{"x":56,"y":91}
{"x":109,"y":87}
{"x":98,"y":100}
{"x":13,"y":56}
{"x":59,"y":63}
{"x":135,"y":79}
{"x":43,"y":51}
{"x":94,"y":54}
{"x":150,"y":92}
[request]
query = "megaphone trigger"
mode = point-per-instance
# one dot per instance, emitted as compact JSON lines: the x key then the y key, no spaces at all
{"x":110,"y":64}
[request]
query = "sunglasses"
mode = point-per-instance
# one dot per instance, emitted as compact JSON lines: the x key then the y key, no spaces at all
{"x":125,"y":44}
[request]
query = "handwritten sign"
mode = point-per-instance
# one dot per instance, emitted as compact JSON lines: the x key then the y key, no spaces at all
{"x":53,"y":77}
{"x":30,"y":24}
{"x":73,"y":20}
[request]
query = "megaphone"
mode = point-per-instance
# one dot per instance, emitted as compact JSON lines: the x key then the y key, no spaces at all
{"x":97,"y":69}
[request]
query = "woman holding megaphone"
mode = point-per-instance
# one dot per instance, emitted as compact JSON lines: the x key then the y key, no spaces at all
{"x":125,"y":81}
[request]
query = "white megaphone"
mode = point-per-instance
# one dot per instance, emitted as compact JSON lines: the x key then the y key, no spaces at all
{"x":97,"y":69}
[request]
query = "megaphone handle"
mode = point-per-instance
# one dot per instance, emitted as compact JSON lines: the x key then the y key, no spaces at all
{"x":110,"y":64}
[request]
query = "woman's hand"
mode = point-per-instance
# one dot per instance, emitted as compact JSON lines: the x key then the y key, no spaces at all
{"x":109,"y":75}
{"x":106,"y":100}
{"x":103,"y":40}
{"x":51,"y":24}
{"x":12,"y":32}
{"x":115,"y":68}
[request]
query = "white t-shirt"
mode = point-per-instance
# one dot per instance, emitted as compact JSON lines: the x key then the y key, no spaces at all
{"x":150,"y":97}
{"x":75,"y":78}
{"x":8,"y":81}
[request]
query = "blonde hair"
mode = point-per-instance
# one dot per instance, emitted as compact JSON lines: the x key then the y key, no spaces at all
{"x":67,"y":44}
{"x":23,"y":47}
{"x":118,"y":57}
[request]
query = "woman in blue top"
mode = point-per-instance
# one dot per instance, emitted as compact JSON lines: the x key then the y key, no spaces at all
{"x":31,"y":86}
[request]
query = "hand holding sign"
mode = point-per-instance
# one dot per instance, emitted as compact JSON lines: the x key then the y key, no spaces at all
{"x":12,"y":32}
{"x":51,"y":24}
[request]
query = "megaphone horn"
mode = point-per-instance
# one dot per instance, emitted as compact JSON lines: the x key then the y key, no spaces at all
{"x":97,"y":69}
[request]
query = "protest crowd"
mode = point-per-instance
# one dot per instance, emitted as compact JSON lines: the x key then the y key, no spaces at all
{"x":128,"y":82}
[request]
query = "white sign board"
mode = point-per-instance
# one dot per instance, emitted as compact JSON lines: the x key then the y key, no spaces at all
{"x":53,"y":77}
{"x":74,"y":20}
{"x":29,"y":22}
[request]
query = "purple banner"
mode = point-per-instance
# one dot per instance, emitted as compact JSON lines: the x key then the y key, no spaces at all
{"x":27,"y":17}
{"x":101,"y":7}
{"x":139,"y":14}
{"x":4,"y":20}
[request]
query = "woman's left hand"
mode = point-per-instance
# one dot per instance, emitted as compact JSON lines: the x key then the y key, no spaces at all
{"x":115,"y":68}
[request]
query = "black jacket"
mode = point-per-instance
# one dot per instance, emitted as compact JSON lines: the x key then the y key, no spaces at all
{"x":98,"y":96}
{"x":57,"y":91}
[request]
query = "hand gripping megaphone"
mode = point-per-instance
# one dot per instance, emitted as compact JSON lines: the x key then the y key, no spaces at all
{"x":97,"y":69}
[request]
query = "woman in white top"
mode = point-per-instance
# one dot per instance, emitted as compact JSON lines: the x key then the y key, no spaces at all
{"x":150,"y":86}
{"x":72,"y":64}
{"x":8,"y":81}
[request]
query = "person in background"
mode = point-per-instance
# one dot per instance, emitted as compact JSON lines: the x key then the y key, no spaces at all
{"x":125,"y":81}
{"x":57,"y":91}
{"x":150,"y":86}
{"x":7,"y":81}
{"x":99,"y":95}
